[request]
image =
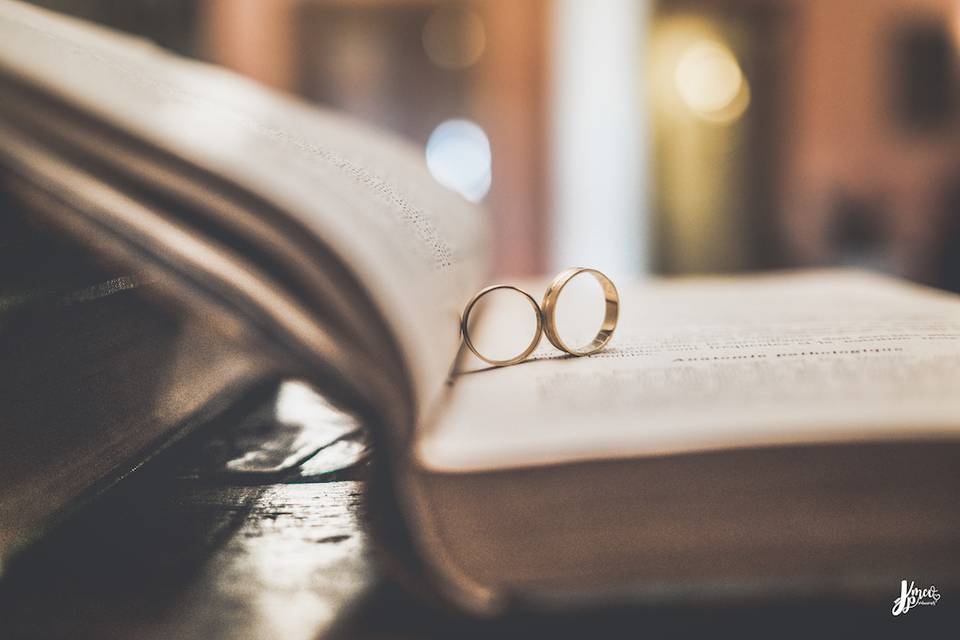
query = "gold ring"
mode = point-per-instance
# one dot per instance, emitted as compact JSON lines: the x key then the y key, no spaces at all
{"x":526,"y":352}
{"x":610,"y":313}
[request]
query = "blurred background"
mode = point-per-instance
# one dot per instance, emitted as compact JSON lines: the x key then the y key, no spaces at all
{"x":676,"y":136}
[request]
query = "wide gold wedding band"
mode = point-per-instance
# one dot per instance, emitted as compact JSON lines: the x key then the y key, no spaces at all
{"x":465,"y":329}
{"x":611,"y":311}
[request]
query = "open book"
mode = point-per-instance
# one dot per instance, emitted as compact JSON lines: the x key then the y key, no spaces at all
{"x":740,"y":437}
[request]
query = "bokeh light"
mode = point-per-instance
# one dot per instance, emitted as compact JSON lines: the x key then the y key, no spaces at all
{"x":710,"y":81}
{"x":458,"y":156}
{"x":454,"y":37}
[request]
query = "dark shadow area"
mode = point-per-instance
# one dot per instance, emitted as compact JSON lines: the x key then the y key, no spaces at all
{"x":389,"y":612}
{"x":120,"y":563}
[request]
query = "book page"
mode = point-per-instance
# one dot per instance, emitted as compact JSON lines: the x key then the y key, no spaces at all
{"x":419,"y":249}
{"x":714,"y":363}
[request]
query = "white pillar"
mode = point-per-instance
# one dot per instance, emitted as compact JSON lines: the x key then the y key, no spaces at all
{"x":600,"y":136}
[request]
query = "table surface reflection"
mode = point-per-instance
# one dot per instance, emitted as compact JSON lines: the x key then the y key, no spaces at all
{"x":166,"y":556}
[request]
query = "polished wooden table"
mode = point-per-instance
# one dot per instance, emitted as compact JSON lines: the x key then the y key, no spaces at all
{"x":168,"y":555}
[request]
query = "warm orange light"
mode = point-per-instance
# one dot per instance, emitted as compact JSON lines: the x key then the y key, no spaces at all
{"x":710,"y":82}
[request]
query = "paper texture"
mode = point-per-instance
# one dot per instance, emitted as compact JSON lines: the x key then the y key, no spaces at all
{"x":717,"y":363}
{"x":417,"y":248}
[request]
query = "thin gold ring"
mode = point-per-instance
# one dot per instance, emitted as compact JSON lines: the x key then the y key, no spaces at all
{"x":464,"y":330}
{"x":611,"y":311}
